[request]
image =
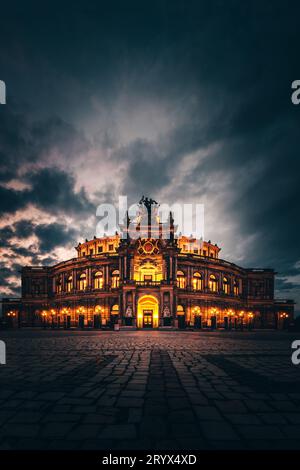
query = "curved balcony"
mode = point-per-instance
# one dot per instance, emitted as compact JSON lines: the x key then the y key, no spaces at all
{"x":148,"y":283}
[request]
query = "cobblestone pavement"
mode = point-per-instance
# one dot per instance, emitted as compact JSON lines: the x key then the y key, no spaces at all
{"x":149,"y":390}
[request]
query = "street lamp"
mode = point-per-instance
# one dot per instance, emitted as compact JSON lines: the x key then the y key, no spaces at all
{"x":44,"y":316}
{"x":250,"y":320}
{"x":81,"y":311}
{"x":197,"y":317}
{"x":97,"y":316}
{"x":52,"y":312}
{"x":10,"y":316}
{"x":214,"y":312}
{"x":230,"y":314}
{"x":64,"y":313}
{"x":284,"y":317}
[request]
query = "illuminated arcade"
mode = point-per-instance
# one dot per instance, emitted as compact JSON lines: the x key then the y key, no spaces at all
{"x":148,"y":282}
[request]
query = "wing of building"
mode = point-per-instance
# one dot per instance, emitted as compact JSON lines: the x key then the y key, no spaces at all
{"x":141,"y":278}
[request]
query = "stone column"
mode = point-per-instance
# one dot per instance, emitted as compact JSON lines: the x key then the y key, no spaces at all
{"x":107,"y":275}
{"x":63,"y":282}
{"x":89,"y":277}
{"x":206,"y":275}
{"x":74,"y":279}
{"x":188,"y":277}
{"x":172,"y":312}
{"x":121,"y":267}
{"x":128,"y":266}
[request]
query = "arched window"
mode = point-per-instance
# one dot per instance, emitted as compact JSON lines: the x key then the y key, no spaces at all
{"x":98,"y":280}
{"x":197,"y":281}
{"x":115,"y":309}
{"x":181,"y":280}
{"x":58,"y":285}
{"x":99,"y":310}
{"x":69,"y":283}
{"x":180,"y":310}
{"x":236,"y":289}
{"x":115,"y":279}
{"x":82,"y":281}
{"x":213,"y":283}
{"x":226,"y":286}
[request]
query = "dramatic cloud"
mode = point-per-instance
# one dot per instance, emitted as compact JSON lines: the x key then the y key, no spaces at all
{"x":182,"y":101}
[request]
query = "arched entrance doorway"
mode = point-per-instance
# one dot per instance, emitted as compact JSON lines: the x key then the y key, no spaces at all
{"x":180,"y":317}
{"x":147,"y":312}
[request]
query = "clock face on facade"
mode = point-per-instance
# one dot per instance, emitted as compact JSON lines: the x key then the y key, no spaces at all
{"x":148,"y":247}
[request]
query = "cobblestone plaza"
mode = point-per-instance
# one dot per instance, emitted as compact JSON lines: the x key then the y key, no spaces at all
{"x":149,"y":390}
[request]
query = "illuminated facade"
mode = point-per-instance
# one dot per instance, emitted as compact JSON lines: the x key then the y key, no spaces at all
{"x":140,"y":281}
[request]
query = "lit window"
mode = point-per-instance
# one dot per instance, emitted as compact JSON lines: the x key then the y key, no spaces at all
{"x":58,"y":285}
{"x":181,"y":280}
{"x":115,"y":279}
{"x":180,"y":310}
{"x":82,"y":282}
{"x":236,"y":289}
{"x":213,"y":283}
{"x":197,"y":281}
{"x":226,"y":285}
{"x":69,"y":283}
{"x":98,"y":280}
{"x":115,"y":309}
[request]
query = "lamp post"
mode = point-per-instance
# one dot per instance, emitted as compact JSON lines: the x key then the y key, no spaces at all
{"x":10,"y":318}
{"x":65,"y":312}
{"x":197,"y":317}
{"x":250,"y":320}
{"x":97,"y":316}
{"x":285,"y":318}
{"x":44,"y":317}
{"x":213,"y":318}
{"x":230,"y":314}
{"x":241,"y":317}
{"x":52,"y":312}
{"x":81,"y":312}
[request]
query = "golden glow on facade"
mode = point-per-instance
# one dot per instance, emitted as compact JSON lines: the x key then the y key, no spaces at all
{"x":147,"y":307}
{"x":148,"y":283}
{"x":148,"y":270}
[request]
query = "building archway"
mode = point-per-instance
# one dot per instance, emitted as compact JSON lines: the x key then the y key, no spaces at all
{"x":147,"y":312}
{"x":181,"y":317}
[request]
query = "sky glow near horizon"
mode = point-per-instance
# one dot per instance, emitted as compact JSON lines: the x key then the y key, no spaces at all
{"x":175,"y":101}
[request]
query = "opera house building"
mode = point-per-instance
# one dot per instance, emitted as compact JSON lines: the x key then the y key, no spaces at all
{"x":145,"y":281}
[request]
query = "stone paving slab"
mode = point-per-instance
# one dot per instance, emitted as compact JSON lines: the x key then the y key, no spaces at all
{"x":149,"y":390}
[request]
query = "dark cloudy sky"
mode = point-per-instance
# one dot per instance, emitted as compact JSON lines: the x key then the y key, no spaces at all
{"x":179,"y":100}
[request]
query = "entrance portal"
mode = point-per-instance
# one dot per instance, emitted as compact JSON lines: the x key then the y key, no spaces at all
{"x":147,"y":312}
{"x":147,"y":318}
